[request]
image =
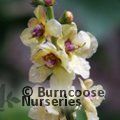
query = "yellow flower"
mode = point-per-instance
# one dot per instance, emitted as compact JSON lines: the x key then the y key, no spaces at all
{"x":78,"y":47}
{"x":89,"y":103}
{"x":83,"y":44}
{"x":50,"y":61}
{"x":39,"y":29}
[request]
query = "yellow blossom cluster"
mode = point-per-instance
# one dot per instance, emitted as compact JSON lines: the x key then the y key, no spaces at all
{"x":59,"y":51}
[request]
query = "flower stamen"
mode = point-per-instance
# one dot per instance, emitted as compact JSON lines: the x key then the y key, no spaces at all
{"x":51,"y":60}
{"x":38,"y":31}
{"x":69,"y":47}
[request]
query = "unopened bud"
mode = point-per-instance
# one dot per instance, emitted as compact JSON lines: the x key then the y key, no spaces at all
{"x":88,"y":83}
{"x":67,"y":18}
{"x":49,"y":2}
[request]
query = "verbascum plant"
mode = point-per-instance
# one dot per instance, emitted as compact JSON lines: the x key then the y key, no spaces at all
{"x":59,"y":52}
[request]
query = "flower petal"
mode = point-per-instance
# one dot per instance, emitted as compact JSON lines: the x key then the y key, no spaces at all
{"x":61,"y":79}
{"x":48,"y":46}
{"x":36,"y":113}
{"x":63,"y":118}
{"x":88,"y":44}
{"x":97,"y":100}
{"x":53,"y":28}
{"x":40,"y":14}
{"x":27,"y":38}
{"x":69,"y":31}
{"x":88,"y":105}
{"x":64,"y":60}
{"x":61,"y":43}
{"x":84,"y":38}
{"x":92,"y":116}
{"x":80,"y":66}
{"x":94,"y":45}
{"x":32,"y":22}
{"x":40,"y":113}
{"x":86,"y":102}
{"x":52,"y":110}
{"x":38,"y":74}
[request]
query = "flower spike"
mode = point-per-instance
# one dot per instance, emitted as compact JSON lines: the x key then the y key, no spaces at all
{"x":59,"y":53}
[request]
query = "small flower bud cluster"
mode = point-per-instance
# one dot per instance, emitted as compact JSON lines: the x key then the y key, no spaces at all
{"x":67,"y":18}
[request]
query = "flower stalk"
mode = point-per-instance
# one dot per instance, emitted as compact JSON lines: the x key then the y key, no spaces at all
{"x":50,"y":12}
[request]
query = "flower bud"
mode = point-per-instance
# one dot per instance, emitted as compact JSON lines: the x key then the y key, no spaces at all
{"x":88,"y":83}
{"x":67,"y":18}
{"x":49,"y":2}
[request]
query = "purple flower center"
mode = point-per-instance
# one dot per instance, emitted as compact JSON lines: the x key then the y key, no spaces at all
{"x":51,"y":60}
{"x":38,"y":31}
{"x":69,"y":47}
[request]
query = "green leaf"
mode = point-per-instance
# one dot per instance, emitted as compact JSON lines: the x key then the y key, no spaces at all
{"x":81,"y":115}
{"x":15,"y":100}
{"x":10,"y":105}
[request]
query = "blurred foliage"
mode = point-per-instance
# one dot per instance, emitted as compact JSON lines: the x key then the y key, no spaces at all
{"x":15,"y":113}
{"x":21,"y":113}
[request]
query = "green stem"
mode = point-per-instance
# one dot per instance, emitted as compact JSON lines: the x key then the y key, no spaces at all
{"x":50,"y":12}
{"x":69,"y":116}
{"x":54,"y":40}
